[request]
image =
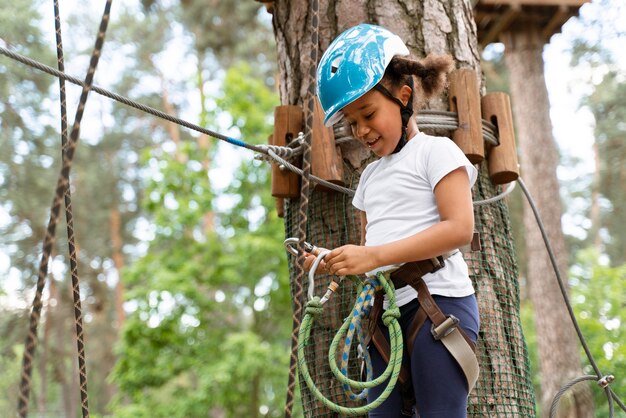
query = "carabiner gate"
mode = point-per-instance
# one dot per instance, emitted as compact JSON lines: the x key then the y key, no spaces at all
{"x":291,"y":243}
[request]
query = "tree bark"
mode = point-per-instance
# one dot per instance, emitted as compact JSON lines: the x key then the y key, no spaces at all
{"x":427,"y":26}
{"x":559,"y":357}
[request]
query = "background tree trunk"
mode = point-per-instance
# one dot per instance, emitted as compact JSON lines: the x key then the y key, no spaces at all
{"x":559,"y":356}
{"x":432,"y":26}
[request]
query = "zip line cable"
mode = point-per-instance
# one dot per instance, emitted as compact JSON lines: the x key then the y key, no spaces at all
{"x":124,"y":100}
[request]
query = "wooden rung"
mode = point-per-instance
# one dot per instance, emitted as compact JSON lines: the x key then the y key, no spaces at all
{"x":326,"y":161}
{"x":287,"y":125}
{"x":502,"y":159}
{"x":465,"y":101}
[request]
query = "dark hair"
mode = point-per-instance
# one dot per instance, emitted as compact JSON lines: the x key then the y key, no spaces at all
{"x":431,"y":73}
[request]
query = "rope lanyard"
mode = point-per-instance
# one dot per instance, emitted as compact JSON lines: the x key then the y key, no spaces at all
{"x":352,"y":325}
{"x":360,"y":312}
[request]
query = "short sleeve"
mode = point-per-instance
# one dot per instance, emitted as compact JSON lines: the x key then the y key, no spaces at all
{"x":358,"y":200}
{"x":443,"y":157}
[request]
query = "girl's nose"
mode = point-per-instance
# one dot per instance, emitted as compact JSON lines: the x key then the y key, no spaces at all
{"x":361,"y":130}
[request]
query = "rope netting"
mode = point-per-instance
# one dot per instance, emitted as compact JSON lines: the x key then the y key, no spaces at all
{"x":504,"y":387}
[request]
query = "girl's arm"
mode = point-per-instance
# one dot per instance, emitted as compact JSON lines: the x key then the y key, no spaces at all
{"x":455,"y":229}
{"x":363,"y":217}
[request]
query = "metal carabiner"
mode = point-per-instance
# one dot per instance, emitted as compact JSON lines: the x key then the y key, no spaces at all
{"x":290,"y":244}
{"x":316,"y":263}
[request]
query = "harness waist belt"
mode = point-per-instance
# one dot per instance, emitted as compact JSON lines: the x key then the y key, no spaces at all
{"x":407,"y":272}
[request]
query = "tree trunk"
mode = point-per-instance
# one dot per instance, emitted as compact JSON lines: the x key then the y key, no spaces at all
{"x":557,"y":343}
{"x":432,"y":26}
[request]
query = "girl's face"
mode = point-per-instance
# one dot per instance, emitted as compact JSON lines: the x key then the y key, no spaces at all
{"x":375,"y":121}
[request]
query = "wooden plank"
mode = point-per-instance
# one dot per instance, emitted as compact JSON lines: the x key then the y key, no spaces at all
{"x":556,"y":21}
{"x":502,"y":160}
{"x":465,"y":100}
{"x":326,"y":162}
{"x":287,"y":125}
{"x":500,"y":25}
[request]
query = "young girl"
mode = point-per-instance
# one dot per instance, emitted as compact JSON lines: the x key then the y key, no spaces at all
{"x":415,"y":204}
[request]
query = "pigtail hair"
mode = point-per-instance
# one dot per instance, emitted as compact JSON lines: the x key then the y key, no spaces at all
{"x":431,"y":71}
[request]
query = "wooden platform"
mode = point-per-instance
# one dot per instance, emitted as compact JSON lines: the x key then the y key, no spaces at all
{"x":496,"y":16}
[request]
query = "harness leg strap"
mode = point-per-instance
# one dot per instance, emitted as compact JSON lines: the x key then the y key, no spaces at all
{"x":446,"y":329}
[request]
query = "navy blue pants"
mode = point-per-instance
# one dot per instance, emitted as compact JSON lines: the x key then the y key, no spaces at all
{"x":438,"y":381}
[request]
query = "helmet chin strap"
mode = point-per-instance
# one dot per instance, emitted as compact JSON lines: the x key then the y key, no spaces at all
{"x":406,"y":111}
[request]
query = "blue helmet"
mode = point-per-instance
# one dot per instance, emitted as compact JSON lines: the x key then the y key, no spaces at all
{"x":352,"y":65}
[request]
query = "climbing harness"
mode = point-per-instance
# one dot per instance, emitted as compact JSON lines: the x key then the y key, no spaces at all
{"x":445,"y":328}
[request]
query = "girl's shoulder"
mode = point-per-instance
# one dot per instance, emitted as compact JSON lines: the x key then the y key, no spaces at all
{"x":428,"y":141}
{"x":368,"y":170}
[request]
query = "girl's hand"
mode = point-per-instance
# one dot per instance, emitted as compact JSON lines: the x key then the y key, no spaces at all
{"x":309,"y":259}
{"x":350,"y":259}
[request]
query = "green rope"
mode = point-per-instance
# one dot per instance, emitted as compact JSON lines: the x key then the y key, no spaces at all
{"x":392,"y":372}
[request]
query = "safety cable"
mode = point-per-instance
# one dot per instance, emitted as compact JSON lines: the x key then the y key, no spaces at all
{"x":69,"y":220}
{"x":49,"y":238}
{"x":124,"y":100}
{"x":603,"y":381}
{"x":303,"y":206}
{"x":425,"y":119}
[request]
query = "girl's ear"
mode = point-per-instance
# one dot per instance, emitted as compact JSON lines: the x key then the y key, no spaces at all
{"x":405,"y":94}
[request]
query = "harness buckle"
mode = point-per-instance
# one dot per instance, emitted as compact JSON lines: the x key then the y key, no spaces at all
{"x":437,"y":262}
{"x":445,"y":328}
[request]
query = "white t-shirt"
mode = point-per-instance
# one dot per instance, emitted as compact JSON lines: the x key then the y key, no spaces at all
{"x":397,"y":194}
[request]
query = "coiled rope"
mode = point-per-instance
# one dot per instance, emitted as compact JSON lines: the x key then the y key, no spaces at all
{"x":314,"y":308}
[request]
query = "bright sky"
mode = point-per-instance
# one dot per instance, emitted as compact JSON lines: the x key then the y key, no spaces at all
{"x":573,"y":127}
